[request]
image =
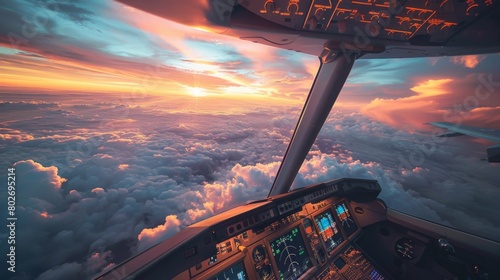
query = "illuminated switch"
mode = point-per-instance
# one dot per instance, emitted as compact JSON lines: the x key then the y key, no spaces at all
{"x":270,"y":7}
{"x":292,"y":8}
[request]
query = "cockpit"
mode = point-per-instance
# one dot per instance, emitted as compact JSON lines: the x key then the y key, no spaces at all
{"x":215,"y":139}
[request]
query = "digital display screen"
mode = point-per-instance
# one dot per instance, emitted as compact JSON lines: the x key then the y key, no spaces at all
{"x":235,"y":272}
{"x":328,"y":230}
{"x":290,"y":255}
{"x":375,"y":275}
{"x":345,"y":218}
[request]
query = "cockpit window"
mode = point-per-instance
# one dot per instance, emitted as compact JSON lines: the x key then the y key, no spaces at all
{"x":380,"y":128}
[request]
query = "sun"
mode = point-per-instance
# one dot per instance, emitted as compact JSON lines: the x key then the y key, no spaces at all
{"x":197,"y":91}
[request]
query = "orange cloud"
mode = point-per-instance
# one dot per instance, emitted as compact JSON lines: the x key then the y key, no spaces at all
{"x":123,"y":166}
{"x":200,"y":214}
{"x":430,"y":88}
{"x":450,"y":100}
{"x":14,"y":135}
{"x":485,"y":115}
{"x":469,"y":61}
{"x":97,"y":190}
{"x":58,"y":74}
{"x":220,"y":78}
{"x":413,"y":110}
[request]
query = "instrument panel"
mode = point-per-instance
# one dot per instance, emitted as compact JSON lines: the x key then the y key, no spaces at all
{"x":314,"y":241}
{"x":434,"y":21}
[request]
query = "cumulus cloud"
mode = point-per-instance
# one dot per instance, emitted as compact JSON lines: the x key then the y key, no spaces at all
{"x":151,"y":236}
{"x":243,"y":183}
{"x":39,"y":182}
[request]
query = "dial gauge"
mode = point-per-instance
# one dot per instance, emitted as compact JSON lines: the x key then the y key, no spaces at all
{"x":266,"y":272}
{"x":406,"y":249}
{"x":258,"y":254}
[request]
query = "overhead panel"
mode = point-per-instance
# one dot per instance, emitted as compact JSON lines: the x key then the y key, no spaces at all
{"x":426,"y":21}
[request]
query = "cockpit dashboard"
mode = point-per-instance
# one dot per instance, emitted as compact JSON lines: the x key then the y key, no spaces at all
{"x":333,"y":230}
{"x":313,"y":240}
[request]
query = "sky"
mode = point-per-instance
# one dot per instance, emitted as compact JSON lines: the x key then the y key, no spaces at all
{"x":125,"y":128}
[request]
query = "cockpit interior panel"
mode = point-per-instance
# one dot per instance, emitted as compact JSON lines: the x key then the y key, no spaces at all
{"x":317,"y":232}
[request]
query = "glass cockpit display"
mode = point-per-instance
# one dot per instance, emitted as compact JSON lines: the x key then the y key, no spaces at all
{"x":262,"y":264}
{"x":345,"y":218}
{"x":235,"y":272}
{"x":328,"y":230}
{"x":290,"y":255}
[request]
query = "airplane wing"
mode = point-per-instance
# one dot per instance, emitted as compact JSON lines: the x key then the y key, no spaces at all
{"x":457,"y":130}
{"x":479,"y":132}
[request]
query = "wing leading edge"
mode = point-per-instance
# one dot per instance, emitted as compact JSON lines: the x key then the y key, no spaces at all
{"x":493,"y":152}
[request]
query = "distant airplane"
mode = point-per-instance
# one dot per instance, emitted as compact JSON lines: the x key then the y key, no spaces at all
{"x":454,"y":130}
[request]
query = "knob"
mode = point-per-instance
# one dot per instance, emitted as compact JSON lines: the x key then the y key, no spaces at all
{"x":243,"y":249}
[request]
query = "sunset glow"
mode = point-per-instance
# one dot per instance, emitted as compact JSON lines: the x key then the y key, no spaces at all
{"x":197,"y":92}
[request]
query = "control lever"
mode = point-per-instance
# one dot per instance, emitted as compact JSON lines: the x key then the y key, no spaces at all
{"x":447,"y":251}
{"x":447,"y":254}
{"x":445,"y":248}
